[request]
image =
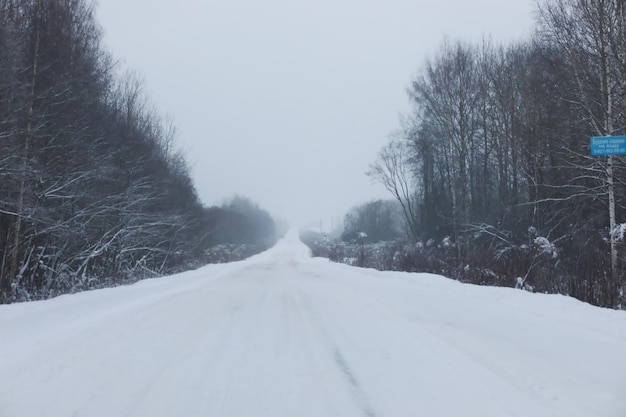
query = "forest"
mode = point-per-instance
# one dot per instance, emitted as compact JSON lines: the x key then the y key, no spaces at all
{"x":492,"y":171}
{"x":92,"y":190}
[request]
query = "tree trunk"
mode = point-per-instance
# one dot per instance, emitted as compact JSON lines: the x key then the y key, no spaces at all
{"x":612,"y":223}
{"x":17,"y":226}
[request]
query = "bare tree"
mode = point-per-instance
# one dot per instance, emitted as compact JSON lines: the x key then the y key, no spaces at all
{"x":393,"y":171}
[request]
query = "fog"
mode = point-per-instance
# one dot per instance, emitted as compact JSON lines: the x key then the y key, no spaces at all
{"x":285,"y":102}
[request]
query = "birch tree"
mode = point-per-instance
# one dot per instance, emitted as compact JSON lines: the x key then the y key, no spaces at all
{"x":591,"y":32}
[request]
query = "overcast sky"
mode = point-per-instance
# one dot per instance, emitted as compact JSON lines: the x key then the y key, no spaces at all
{"x":287,"y":102}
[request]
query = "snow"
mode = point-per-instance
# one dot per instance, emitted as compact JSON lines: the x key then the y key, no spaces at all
{"x":282,"y":334}
{"x":545,"y":247}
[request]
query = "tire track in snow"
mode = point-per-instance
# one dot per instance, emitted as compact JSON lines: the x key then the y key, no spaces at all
{"x":357,"y":326}
{"x":347,"y":371}
{"x":348,"y":375}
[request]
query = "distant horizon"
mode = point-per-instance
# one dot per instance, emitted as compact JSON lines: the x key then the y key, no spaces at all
{"x":288,"y":104}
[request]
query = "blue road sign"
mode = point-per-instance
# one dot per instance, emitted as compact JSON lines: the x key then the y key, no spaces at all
{"x":608,"y":145}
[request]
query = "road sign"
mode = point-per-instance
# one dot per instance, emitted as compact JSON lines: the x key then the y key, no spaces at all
{"x":608,"y":145}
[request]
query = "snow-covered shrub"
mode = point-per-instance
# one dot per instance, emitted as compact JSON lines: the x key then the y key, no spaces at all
{"x":447,"y":243}
{"x":545,"y":247}
{"x":231,"y":252}
{"x":489,"y":256}
{"x":619,"y":231}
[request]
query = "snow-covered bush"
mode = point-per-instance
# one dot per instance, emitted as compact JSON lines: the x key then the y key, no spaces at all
{"x":487,"y":256}
{"x":545,"y":247}
{"x":231,"y":252}
{"x":619,"y":231}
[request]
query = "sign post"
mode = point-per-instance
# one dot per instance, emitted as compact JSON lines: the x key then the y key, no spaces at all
{"x":609,"y":146}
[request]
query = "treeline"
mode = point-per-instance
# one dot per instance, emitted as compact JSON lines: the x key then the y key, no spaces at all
{"x":496,"y":154}
{"x":374,"y":221}
{"x":91,"y":191}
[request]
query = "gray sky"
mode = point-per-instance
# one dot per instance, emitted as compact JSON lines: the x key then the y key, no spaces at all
{"x":287,"y":102}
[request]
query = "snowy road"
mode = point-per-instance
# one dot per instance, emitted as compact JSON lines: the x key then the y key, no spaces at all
{"x":286,"y":335}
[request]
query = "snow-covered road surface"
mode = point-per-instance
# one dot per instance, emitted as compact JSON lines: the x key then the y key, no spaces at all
{"x":282,"y":334}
